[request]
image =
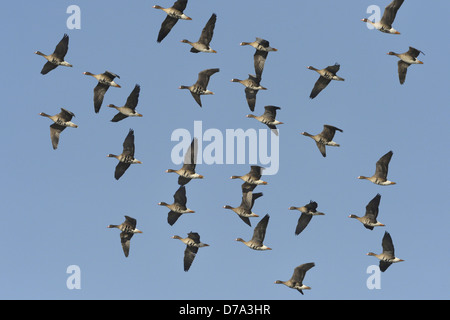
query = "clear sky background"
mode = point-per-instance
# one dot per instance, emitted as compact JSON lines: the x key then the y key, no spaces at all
{"x":56,"y":204}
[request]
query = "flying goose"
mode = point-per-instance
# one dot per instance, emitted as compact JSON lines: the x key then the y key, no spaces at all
{"x":259,"y":233}
{"x":202,"y":45}
{"x":369,"y":220}
{"x":61,"y":121}
{"x":129,"y":109}
{"x":253,"y":176}
{"x":385,"y":23}
{"x":268,"y":118}
{"x":296,"y":281}
{"x":262,"y":50}
{"x":325,"y":138}
{"x":381,"y":171}
{"x":326,"y":75}
{"x":308,"y":211}
{"x":105,"y":80}
{"x":252,"y":86}
{"x":406,"y":59}
{"x":187,"y":171}
{"x":199,"y":88}
{"x":174,"y":14}
{"x":387,"y":257}
{"x":57,"y":57}
{"x":244,"y":211}
{"x":128,"y":228}
{"x":178,"y":207}
{"x":126,"y":158}
{"x":192,"y":243}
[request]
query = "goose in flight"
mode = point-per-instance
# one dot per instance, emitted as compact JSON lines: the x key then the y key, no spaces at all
{"x":259,"y":233}
{"x":187,"y":171}
{"x":326,"y":75}
{"x":296,"y":281}
{"x":129,"y":109}
{"x":202,"y":45}
{"x":57,"y":57}
{"x":369,"y":220}
{"x":325,"y":138}
{"x":192,"y":243}
{"x":61,"y":121}
{"x":126,"y":158}
{"x":105,"y":80}
{"x":128,"y":228}
{"x":386,"y":21}
{"x":406,"y":59}
{"x":381,"y":171}
{"x":199,"y":88}
{"x":174,"y":13}
{"x":259,"y":58}
{"x":387,"y":257}
{"x":308,"y":211}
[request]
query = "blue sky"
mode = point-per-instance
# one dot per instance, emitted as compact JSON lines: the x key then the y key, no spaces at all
{"x":56,"y":204}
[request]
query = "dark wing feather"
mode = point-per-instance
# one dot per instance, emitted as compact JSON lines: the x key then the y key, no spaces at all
{"x":180,"y":5}
{"x":183,"y":180}
{"x":382,"y":165}
{"x":48,"y":66}
{"x":329,"y":131}
{"x":120,"y":169}
{"x":402,"y":69}
{"x":413,"y":52}
{"x":125,"y":238}
{"x":55,"y":131}
{"x":300,"y":272}
{"x":203,"y":77}
{"x":189,"y":255}
{"x":270,"y":112}
{"x":250,"y":95}
{"x":372,"y":208}
{"x":166,"y":26}
{"x":190,"y":158}
{"x":208,"y":30}
{"x":390,"y":12}
{"x":66,"y":114}
{"x":133,"y":98}
{"x":302,"y":223}
{"x":118,"y":117}
{"x":259,"y":60}
{"x":260,"y":230}
{"x":334,"y":68}
{"x":311,"y":206}
{"x":320,"y":84}
{"x":196,"y":98}
{"x":99,"y":93}
{"x":172,"y":217}
{"x":128,"y":143}
{"x":62,"y":47}
{"x":387,"y":244}
{"x":110,"y":75}
{"x":322,"y":149}
{"x":180,"y":196}
{"x":256,"y":171}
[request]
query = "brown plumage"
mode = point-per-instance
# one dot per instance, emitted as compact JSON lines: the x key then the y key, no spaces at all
{"x":174,"y":14}
{"x":325,"y":138}
{"x":128,"y":228}
{"x":61,"y":121}
{"x":57,"y":57}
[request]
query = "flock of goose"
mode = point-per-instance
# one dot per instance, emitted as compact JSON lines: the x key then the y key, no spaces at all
{"x":253,"y":178}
